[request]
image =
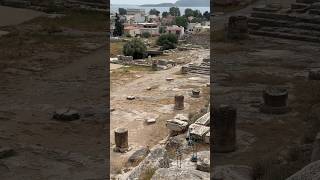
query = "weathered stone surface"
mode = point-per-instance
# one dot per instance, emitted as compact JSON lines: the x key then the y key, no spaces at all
{"x":156,"y":159}
{"x":139,"y":155}
{"x":66,"y":114}
{"x":203,"y":163}
{"x":175,"y":173}
{"x":181,"y":117}
{"x":316,"y":149}
{"x":177,"y":141}
{"x":310,"y":172}
{"x":6,"y":152}
{"x":232,"y":172}
{"x":204,"y":120}
{"x":198,"y":132}
{"x":176,"y":125}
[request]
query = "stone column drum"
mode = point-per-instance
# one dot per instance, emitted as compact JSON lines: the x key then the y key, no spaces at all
{"x":154,"y":65}
{"x":184,"y":69}
{"x":316,"y":149}
{"x":121,"y":140}
{"x":238,"y":27}
{"x":178,"y":102}
{"x":314,"y":74}
{"x":196,"y":93}
{"x":275,"y":100}
{"x":224,"y":123}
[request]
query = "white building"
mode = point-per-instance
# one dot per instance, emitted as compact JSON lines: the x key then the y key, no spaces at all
{"x":176,"y":30}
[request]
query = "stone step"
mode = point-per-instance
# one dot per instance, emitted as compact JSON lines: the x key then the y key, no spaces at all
{"x":314,"y":11}
{"x":299,"y":5}
{"x":292,"y":31}
{"x":199,"y":72}
{"x":285,"y":35}
{"x":286,"y":17}
{"x":264,"y":9}
{"x":307,"y":1}
{"x":261,"y":22}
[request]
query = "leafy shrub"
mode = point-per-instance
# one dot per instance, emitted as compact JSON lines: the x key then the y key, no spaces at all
{"x":167,"y":41}
{"x":135,"y":48}
{"x":146,"y":35}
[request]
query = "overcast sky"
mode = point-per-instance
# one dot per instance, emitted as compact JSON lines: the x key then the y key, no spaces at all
{"x":139,"y":2}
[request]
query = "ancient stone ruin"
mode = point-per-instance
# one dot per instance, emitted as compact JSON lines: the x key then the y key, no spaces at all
{"x":121,"y":140}
{"x":196,"y":93}
{"x":178,"y":102}
{"x":275,"y":100}
{"x":203,"y":68}
{"x":66,"y":114}
{"x":300,"y":22}
{"x":224,"y":124}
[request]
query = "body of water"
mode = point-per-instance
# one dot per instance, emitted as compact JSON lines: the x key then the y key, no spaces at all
{"x":114,"y":8}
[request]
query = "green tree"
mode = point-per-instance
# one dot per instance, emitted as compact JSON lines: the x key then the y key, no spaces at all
{"x":118,"y":27}
{"x":122,"y":11}
{"x":181,"y":21}
{"x":154,"y":12}
{"x":135,"y":48}
{"x":188,"y":12}
{"x":174,"y":11}
{"x":165,"y":14}
{"x":206,"y":15}
{"x":197,"y":13}
{"x":167,"y":41}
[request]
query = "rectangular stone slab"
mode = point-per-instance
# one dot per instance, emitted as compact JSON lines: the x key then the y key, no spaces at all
{"x":176,"y":125}
{"x":198,"y":131}
{"x":204,"y":120}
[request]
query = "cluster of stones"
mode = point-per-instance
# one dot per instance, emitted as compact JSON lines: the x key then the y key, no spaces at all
{"x":202,"y":68}
{"x":200,"y":130}
{"x":297,"y":23}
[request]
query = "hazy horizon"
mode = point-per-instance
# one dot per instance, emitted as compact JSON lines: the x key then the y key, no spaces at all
{"x":130,"y":2}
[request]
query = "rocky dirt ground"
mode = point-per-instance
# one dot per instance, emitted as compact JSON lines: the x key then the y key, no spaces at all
{"x":155,"y":103}
{"x":243,"y":69}
{"x":47,"y":64}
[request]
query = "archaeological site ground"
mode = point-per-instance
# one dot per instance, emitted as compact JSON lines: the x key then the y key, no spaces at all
{"x":266,"y":91}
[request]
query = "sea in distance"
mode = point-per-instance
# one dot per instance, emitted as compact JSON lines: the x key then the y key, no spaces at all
{"x":114,"y":8}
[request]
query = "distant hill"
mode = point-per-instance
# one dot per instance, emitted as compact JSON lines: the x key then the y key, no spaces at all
{"x":159,"y":5}
{"x":182,"y":3}
{"x":193,"y":3}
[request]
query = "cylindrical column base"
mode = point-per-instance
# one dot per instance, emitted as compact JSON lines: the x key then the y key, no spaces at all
{"x":179,"y":102}
{"x":224,"y":120}
{"x":121,"y":140}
